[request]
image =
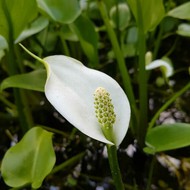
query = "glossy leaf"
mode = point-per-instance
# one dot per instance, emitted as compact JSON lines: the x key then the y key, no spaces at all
{"x":15,"y":15}
{"x":152,"y":11}
{"x":35,"y":27}
{"x":122,"y":16}
{"x":181,"y":12}
{"x":167,"y":137}
{"x":30,"y":160}
{"x":88,"y":37}
{"x":34,"y":80}
{"x":63,"y":11}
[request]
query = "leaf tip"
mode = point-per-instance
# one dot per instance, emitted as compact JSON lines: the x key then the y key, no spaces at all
{"x":30,"y":53}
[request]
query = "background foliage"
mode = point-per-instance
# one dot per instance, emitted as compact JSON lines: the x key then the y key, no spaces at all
{"x":80,"y":30}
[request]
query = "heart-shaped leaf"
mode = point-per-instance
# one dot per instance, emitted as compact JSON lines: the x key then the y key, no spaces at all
{"x":167,"y":137}
{"x":63,"y":11}
{"x":30,"y":160}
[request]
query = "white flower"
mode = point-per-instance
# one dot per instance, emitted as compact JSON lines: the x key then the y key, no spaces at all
{"x":70,"y":88}
{"x":166,"y":67}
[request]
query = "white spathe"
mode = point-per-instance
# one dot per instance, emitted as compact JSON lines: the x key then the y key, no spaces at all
{"x":161,"y":63}
{"x":70,"y":87}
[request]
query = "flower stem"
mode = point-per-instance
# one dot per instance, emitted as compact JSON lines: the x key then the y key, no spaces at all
{"x":172,"y":99}
{"x":121,"y":64}
{"x":142,"y":127}
{"x":118,"y":54}
{"x":151,"y":173}
{"x":65,"y":46}
{"x":7,"y":102}
{"x":114,"y":166}
{"x":158,"y":41}
{"x":68,"y":163}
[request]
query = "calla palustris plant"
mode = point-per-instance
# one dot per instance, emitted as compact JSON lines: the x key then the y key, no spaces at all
{"x":90,"y":100}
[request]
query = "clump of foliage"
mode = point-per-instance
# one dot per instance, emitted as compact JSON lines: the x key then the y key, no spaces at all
{"x":143,"y":45}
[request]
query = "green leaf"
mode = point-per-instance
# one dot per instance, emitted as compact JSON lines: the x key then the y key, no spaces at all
{"x":34,"y":80}
{"x":15,"y":15}
{"x":152,"y":12}
{"x":30,"y":160}
{"x":167,"y":137}
{"x":120,"y":16}
{"x":129,"y":42}
{"x":181,"y":12}
{"x":88,"y":37}
{"x":35,"y":27}
{"x":63,"y":11}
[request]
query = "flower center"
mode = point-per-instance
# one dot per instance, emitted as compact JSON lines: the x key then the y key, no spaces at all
{"x":104,"y":108}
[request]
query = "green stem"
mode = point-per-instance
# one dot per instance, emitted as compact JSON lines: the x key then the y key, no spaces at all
{"x":20,"y":98}
{"x":68,"y":163}
{"x":61,"y":132}
{"x":151,"y":173}
{"x":99,"y":179}
{"x":7,"y":102}
{"x":122,"y":67}
{"x":117,"y":20}
{"x":118,"y":54}
{"x":143,"y":100}
{"x":171,"y":100}
{"x":158,"y":41}
{"x":65,"y":46}
{"x":19,"y":59}
{"x":172,"y":48}
{"x":114,"y":166}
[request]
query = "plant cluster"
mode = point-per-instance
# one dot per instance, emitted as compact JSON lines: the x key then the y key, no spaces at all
{"x":90,"y":84}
